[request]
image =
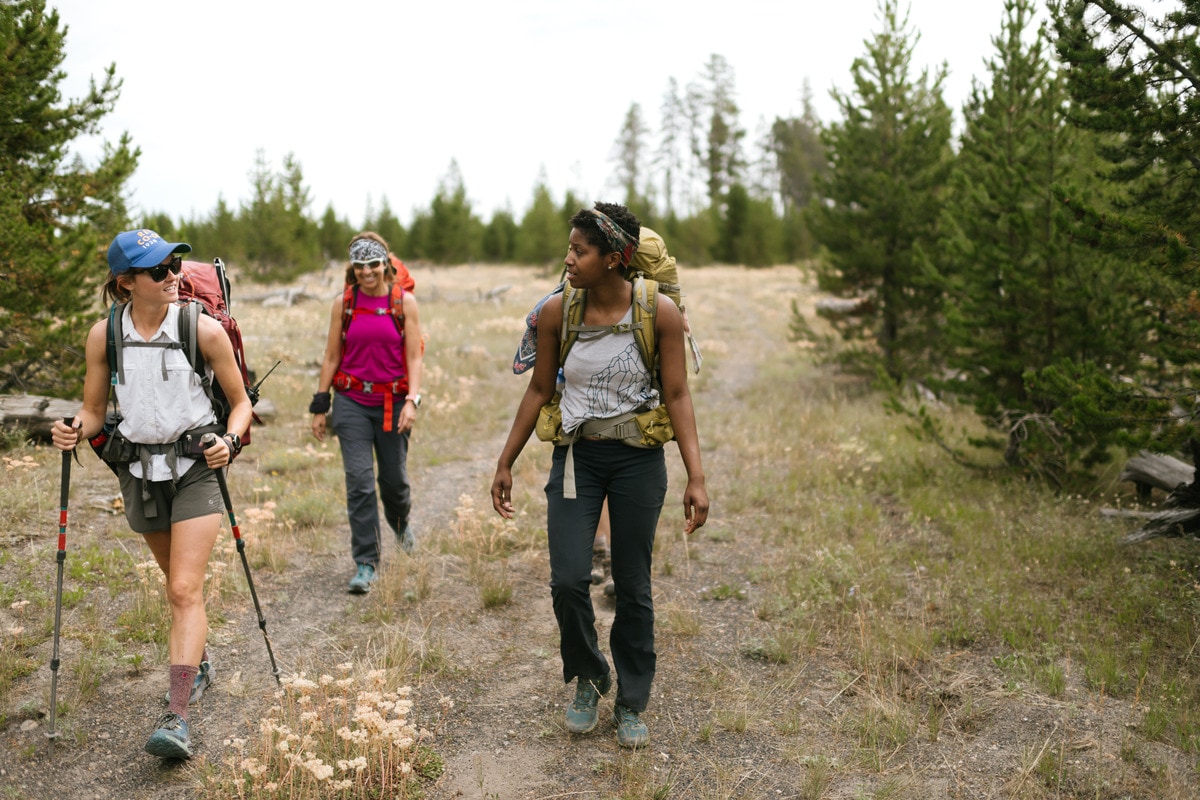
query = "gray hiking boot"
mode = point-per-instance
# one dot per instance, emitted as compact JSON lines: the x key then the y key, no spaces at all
{"x":204,"y":679}
{"x":170,"y":738}
{"x":362,"y":580}
{"x":631,"y":731}
{"x":583,"y":713}
{"x":406,"y":539}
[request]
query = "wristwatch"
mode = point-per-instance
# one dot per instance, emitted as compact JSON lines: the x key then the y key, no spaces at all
{"x":416,"y":400}
{"x":235,"y":443}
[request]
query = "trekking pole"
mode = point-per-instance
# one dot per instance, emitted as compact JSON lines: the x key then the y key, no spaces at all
{"x":63,"y":494}
{"x":208,"y":440}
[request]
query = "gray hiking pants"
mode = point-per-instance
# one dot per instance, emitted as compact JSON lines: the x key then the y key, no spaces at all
{"x":635,"y":482}
{"x":360,"y":433}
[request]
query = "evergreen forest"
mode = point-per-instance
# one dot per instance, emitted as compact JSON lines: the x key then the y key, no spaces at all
{"x":1038,"y":265}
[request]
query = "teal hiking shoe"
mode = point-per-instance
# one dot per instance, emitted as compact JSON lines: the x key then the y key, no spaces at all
{"x":406,"y":539}
{"x":170,"y":738}
{"x":204,"y":679}
{"x":582,"y":714}
{"x":362,"y":580}
{"x":631,"y":731}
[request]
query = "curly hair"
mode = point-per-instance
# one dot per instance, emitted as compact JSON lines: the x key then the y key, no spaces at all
{"x":586,"y":224}
{"x":389,"y":272}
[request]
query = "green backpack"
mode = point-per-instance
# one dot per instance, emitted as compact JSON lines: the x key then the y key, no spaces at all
{"x":650,"y":428}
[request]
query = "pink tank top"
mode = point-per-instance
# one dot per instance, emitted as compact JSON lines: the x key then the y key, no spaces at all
{"x":374,"y":350}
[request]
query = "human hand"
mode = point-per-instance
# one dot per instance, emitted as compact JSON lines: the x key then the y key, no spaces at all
{"x":66,"y":437}
{"x":216,"y":450}
{"x":502,"y":493}
{"x":695,"y":506}
{"x":318,"y":427}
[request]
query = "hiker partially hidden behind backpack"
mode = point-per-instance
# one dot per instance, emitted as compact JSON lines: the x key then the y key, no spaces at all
{"x":167,"y":481}
{"x":624,"y":394}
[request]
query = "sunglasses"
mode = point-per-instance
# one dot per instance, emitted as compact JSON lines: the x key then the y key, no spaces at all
{"x":159,"y":274}
{"x":372,"y":264}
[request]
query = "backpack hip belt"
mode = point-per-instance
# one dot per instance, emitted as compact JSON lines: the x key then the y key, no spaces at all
{"x":344,"y":382}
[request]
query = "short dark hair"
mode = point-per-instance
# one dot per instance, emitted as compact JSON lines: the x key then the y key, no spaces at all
{"x":585,"y":223}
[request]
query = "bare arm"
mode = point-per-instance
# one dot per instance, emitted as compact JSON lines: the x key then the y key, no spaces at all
{"x":90,"y":419}
{"x":668,"y":329}
{"x":329,"y":363}
{"x":414,"y":353}
{"x":218,"y":352}
{"x":537,"y":394}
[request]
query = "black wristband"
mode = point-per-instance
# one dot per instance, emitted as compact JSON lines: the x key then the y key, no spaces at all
{"x":320,"y":404}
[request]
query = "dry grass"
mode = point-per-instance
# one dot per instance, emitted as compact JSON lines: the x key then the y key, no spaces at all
{"x":860,"y":617}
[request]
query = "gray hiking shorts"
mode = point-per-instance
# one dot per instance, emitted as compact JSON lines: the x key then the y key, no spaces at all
{"x":153,"y":506}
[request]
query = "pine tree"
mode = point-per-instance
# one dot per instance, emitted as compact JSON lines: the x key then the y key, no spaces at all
{"x":542,"y":236}
{"x":629,"y":153}
{"x":880,"y":201}
{"x":1135,"y":80}
{"x":57,"y":214}
{"x":1020,"y":294}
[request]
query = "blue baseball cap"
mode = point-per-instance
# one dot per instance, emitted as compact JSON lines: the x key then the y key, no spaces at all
{"x":141,"y":249}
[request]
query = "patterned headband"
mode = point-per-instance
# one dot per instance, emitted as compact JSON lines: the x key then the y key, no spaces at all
{"x":368,"y":250}
{"x":615,"y":235}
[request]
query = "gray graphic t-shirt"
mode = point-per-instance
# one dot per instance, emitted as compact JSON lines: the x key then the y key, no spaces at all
{"x":605,"y":378}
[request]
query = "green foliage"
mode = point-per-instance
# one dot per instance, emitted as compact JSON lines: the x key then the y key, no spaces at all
{"x":1022,"y":294}
{"x":448,"y":232}
{"x":542,"y":236}
{"x":500,"y":238}
{"x":880,"y":201}
{"x":1133,"y":79}
{"x":56,"y":212}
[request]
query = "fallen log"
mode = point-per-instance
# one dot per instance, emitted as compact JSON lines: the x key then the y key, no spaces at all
{"x":1154,"y":470}
{"x":35,"y":414}
{"x":1181,"y":510}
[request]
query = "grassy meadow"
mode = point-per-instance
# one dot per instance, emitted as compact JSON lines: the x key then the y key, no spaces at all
{"x":860,"y":617}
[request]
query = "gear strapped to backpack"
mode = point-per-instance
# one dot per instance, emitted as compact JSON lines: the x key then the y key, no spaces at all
{"x":203,"y":289}
{"x":648,"y":428}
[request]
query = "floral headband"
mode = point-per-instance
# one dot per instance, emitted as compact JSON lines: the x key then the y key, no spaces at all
{"x":615,"y":235}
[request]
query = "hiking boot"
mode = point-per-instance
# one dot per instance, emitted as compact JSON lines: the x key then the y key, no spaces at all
{"x":582,"y":714}
{"x":203,"y":680}
{"x":362,"y":580}
{"x":406,"y":539}
{"x":601,"y":563}
{"x":631,"y":731}
{"x":170,"y":739}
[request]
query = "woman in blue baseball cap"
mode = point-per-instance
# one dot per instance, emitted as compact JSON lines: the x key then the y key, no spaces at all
{"x":167,"y":481}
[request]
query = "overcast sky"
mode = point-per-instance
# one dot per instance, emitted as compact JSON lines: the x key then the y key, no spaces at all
{"x":375,"y":97}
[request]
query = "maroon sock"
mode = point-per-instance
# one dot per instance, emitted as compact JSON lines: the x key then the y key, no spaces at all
{"x":204,"y":655}
{"x":182,"y":678}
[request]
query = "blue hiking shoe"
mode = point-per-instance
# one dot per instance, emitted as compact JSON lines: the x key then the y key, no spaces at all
{"x":170,"y":738}
{"x":583,"y":713}
{"x":408,"y":542}
{"x":204,"y":679}
{"x":631,"y":731}
{"x":362,"y":580}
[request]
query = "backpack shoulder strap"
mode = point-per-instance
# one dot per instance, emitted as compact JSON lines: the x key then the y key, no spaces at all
{"x":349,"y":300}
{"x":645,"y":312}
{"x":189,"y":322}
{"x":573,"y":302}
{"x":112,"y":348}
{"x":396,"y":308}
